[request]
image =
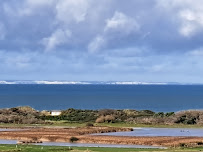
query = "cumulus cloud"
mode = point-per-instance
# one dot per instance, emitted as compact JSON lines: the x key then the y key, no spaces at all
{"x":118,"y":27}
{"x":57,"y":38}
{"x":96,"y":44}
{"x":121,"y":23}
{"x":72,"y":10}
{"x":189,"y":15}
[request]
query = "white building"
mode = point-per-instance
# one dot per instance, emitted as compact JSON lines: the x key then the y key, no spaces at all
{"x":55,"y":113}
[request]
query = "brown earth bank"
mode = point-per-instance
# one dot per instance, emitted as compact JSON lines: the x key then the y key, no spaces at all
{"x":83,"y":134}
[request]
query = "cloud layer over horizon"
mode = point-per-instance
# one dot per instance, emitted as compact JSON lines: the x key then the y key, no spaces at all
{"x":106,"y":40}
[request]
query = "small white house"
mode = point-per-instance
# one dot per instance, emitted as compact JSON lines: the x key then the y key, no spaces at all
{"x":55,"y":113}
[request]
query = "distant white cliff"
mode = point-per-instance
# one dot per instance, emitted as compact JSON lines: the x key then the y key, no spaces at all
{"x":90,"y":82}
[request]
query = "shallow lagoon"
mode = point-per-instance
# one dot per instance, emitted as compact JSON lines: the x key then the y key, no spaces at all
{"x":198,"y":132}
{"x":13,"y":142}
{"x":2,"y":141}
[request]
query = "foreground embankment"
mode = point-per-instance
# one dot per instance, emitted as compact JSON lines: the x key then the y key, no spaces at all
{"x":84,"y":136}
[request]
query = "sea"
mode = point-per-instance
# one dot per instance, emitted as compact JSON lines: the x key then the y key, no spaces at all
{"x":158,"y":98}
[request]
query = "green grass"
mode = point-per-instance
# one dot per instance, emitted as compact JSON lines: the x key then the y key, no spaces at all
{"x":153,"y":126}
{"x":77,"y":124}
{"x":74,"y":124}
{"x":32,"y":148}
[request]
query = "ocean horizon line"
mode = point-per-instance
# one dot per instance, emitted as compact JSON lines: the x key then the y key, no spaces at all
{"x":92,"y":82}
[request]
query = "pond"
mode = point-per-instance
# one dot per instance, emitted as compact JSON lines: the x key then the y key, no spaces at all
{"x":185,"y":132}
{"x":81,"y":144}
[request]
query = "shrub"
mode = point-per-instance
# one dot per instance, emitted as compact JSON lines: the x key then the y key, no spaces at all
{"x":168,"y":114}
{"x":105,"y":112}
{"x":183,"y":145}
{"x":159,"y":114}
{"x":73,"y":139}
{"x":188,"y":117}
{"x":89,"y":124}
{"x":199,"y":143}
{"x":78,"y":115}
{"x":101,"y":119}
{"x":109,"y":118}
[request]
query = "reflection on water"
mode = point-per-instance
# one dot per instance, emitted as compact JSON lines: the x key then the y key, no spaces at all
{"x":159,"y":132}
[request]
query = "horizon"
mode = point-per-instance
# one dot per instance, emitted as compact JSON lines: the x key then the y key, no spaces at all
{"x":92,"y":82}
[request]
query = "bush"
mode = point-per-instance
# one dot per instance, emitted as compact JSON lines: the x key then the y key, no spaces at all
{"x":168,"y":114}
{"x":183,"y":145}
{"x":20,"y":115}
{"x":89,"y":124}
{"x":101,"y":119}
{"x":109,"y":118}
{"x":199,"y":143}
{"x":105,"y":112}
{"x":73,"y":139}
{"x":79,"y":115}
{"x":188,"y":117}
{"x":159,"y":114}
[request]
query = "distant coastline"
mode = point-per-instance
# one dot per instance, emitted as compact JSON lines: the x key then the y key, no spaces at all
{"x":92,"y":82}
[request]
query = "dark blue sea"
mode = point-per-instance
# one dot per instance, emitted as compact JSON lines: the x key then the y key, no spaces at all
{"x":55,"y":97}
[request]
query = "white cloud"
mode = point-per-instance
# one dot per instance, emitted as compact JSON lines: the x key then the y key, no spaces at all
{"x":119,"y":26}
{"x":192,"y":21}
{"x":57,"y":38}
{"x":189,"y":15}
{"x":96,"y":44}
{"x":72,"y":10}
{"x":2,"y":31}
{"x":198,"y":52}
{"x":121,"y":23}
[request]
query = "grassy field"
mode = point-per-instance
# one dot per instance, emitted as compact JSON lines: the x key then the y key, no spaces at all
{"x":73,"y":124}
{"x":32,"y":148}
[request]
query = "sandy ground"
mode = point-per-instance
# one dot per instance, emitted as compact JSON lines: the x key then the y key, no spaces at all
{"x":83,"y":134}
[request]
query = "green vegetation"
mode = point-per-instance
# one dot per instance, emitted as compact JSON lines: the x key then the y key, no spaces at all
{"x":133,"y":117}
{"x":32,"y":148}
{"x":77,"y":117}
{"x":20,"y":115}
{"x":74,"y":115}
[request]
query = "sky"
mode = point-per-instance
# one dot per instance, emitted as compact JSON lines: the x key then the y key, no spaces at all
{"x":102,"y":40}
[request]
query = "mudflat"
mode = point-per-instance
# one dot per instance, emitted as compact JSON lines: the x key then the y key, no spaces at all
{"x":84,"y":136}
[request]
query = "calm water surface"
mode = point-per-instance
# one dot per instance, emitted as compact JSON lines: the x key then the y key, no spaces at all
{"x":160,"y":132}
{"x":153,"y":97}
{"x":80,"y":144}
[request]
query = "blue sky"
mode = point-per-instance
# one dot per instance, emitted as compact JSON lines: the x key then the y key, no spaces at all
{"x":102,"y":40}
